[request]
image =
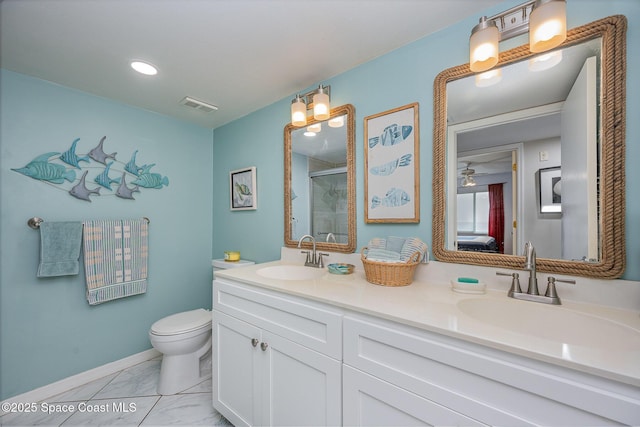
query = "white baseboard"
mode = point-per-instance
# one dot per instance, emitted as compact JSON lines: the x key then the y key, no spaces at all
{"x":50,"y":390}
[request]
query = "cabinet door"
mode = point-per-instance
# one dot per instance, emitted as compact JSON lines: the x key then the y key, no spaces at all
{"x":369,"y":401}
{"x":301,"y":387}
{"x":236,"y":370}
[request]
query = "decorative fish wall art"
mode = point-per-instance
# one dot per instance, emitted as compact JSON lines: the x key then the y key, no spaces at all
{"x":390,"y":167}
{"x":393,"y":198}
{"x":60,"y":172}
{"x":391,"y":135}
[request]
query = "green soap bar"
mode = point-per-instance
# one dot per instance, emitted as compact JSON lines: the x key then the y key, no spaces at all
{"x":467,"y":280}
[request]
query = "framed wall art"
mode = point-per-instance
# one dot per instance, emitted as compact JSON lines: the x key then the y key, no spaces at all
{"x":549,"y":182}
{"x":392,"y":169}
{"x":243,"y":192}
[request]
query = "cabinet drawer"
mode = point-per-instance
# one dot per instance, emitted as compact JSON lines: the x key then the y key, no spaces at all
{"x":487,"y":385}
{"x":313,"y":325}
{"x":369,"y":401}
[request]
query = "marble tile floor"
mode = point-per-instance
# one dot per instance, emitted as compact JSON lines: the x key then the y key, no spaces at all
{"x":125,"y":398}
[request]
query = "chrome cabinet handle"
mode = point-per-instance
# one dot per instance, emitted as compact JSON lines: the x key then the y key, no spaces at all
{"x":254,"y":342}
{"x":263,"y":346}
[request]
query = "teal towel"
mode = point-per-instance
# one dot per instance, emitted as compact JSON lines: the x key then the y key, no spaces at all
{"x":59,"y":248}
{"x":395,"y":244}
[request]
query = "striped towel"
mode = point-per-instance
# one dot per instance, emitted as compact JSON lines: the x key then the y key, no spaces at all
{"x":115,"y":258}
{"x":411,"y":246}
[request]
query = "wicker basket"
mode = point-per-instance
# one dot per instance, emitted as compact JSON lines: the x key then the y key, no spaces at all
{"x":389,"y":273}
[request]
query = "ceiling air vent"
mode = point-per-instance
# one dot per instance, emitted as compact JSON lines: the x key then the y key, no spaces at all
{"x":198,"y":105}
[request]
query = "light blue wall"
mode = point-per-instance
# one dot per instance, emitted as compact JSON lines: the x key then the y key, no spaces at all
{"x":47,"y":329}
{"x":398,"y":78}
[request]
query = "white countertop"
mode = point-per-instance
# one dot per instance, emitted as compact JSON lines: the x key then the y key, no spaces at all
{"x":605,"y":341}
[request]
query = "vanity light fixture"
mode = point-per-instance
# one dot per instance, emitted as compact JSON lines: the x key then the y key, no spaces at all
{"x":298,"y":111}
{"x":317,"y":99}
{"x":336,"y":122}
{"x":316,"y":127}
{"x":545,"y":20}
{"x":144,"y":68}
{"x":546,"y":61}
{"x":489,"y":78}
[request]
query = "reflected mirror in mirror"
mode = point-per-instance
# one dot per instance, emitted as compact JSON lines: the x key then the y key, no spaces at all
{"x":503,"y":144}
{"x":529,"y":152}
{"x":320,"y":182}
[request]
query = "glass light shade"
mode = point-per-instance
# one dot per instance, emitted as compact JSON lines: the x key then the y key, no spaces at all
{"x":483,"y":46}
{"x":547,"y":25}
{"x":545,"y":61}
{"x":336,"y":122}
{"x":298,"y":112}
{"x":321,"y":106}
{"x":489,"y":78}
{"x":316,"y":127}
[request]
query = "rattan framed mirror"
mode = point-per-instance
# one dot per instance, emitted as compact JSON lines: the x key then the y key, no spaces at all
{"x":610,"y":179}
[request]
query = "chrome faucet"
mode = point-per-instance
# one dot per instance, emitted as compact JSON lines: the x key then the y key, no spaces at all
{"x":530,"y":266}
{"x":532,"y":294}
{"x":314,"y":259}
{"x":331,"y":236}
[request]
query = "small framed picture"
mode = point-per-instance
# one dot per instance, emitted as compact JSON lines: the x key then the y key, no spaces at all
{"x":243,"y":189}
{"x":550,"y":184}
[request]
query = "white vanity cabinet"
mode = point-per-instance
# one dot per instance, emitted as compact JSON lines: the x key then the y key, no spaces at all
{"x":276,"y":358}
{"x":399,"y":375}
{"x":280,"y":358}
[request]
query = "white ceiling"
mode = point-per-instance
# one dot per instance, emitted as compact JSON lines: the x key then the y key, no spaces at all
{"x":240,"y":55}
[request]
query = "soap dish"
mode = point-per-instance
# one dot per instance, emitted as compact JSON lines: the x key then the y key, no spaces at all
{"x":341,"y":268}
{"x":468,"y":288}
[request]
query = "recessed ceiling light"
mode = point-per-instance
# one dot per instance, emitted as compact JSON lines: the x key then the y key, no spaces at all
{"x":144,"y":68}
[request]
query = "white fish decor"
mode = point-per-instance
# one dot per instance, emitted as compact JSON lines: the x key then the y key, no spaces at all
{"x":58,"y":171}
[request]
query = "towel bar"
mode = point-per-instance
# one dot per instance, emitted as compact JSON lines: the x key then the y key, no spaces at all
{"x":35,"y":222}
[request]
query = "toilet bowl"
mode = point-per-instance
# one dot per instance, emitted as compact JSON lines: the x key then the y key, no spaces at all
{"x":183,"y":339}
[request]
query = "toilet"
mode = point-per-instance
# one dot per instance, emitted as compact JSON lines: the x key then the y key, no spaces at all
{"x":183,"y":339}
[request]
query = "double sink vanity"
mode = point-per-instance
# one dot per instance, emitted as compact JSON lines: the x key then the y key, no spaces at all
{"x":295,"y":345}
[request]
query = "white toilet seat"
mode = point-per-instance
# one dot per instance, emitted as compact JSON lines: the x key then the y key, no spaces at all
{"x":182,"y":323}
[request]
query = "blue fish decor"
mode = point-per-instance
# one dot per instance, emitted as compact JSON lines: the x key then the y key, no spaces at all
{"x":58,"y":170}
{"x":391,"y":135}
{"x":40,"y":168}
{"x":393,"y":198}
{"x":104,"y":180}
{"x":71,"y":158}
{"x":150,"y":180}
{"x":131,"y":167}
